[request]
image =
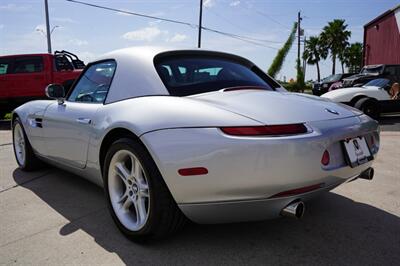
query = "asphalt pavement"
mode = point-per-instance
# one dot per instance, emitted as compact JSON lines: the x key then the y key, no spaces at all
{"x":52,"y":217}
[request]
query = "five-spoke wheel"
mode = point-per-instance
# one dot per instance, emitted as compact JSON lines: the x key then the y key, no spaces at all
{"x":23,"y":151}
{"x":129,"y":190}
{"x":140,"y":203}
{"x":19,"y":144}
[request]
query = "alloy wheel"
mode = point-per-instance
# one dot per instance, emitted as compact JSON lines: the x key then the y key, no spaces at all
{"x":129,"y":190}
{"x":19,"y":144}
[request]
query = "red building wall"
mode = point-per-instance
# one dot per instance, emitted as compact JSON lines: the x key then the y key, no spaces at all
{"x":382,"y":41}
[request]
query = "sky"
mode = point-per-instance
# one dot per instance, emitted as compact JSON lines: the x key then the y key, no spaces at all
{"x":90,"y":32}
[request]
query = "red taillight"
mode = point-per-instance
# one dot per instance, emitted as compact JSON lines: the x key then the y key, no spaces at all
{"x":273,"y":130}
{"x":325,"y":158}
{"x":193,"y":171}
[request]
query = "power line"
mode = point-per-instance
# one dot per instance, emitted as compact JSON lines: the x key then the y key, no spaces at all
{"x":240,"y":27}
{"x":268,"y":17}
{"x":238,"y":37}
{"x":134,"y":13}
{"x":231,"y":35}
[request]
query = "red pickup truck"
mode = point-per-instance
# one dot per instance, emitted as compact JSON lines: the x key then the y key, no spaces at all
{"x":24,"y":77}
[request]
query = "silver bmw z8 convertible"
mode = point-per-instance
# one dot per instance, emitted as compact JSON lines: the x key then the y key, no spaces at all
{"x":207,"y":136}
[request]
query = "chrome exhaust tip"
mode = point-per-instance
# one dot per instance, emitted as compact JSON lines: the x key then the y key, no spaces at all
{"x":367,"y":174}
{"x":295,"y":210}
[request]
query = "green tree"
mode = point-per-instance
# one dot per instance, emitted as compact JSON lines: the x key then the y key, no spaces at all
{"x":335,"y":37}
{"x":314,"y":52}
{"x":353,"y":57}
{"x":282,"y":53}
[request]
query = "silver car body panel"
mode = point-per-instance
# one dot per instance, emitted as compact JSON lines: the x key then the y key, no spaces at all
{"x":256,"y":167}
{"x":182,"y":132}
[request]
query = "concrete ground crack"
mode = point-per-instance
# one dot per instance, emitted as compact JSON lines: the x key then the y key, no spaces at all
{"x":55,"y":226}
{"x":5,"y":144}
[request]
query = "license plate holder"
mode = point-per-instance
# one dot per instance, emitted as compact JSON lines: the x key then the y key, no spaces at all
{"x":357,"y":151}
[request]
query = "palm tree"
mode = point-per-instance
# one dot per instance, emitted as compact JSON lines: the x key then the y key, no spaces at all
{"x":342,"y":56}
{"x":314,"y":52}
{"x":353,"y":57}
{"x":335,"y":37}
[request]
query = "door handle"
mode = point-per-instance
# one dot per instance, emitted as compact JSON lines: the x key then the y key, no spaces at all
{"x":85,"y":121}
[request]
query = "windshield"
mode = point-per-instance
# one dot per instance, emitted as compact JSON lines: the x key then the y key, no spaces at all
{"x":371,"y":70}
{"x":378,"y":83}
{"x":332,"y":78}
{"x":189,"y":75}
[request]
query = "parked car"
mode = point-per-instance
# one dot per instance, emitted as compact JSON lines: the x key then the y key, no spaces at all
{"x":193,"y":134}
{"x":371,"y":72}
{"x":24,"y":77}
{"x":372,"y":98}
{"x":322,"y":87}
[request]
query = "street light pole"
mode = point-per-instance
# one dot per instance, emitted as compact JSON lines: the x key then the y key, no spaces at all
{"x":48,"y":32}
{"x":200,"y":20}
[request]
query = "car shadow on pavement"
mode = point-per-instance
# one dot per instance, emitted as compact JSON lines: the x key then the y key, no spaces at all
{"x":5,"y":125}
{"x":334,"y":230}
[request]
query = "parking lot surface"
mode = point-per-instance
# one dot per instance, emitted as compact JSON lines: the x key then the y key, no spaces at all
{"x":54,"y":217}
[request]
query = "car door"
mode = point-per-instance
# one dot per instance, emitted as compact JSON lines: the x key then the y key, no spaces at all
{"x":68,"y":126}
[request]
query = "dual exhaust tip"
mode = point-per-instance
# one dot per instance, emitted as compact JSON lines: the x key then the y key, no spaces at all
{"x":297,"y":208}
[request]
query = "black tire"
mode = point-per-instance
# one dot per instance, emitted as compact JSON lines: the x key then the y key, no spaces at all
{"x":164,"y":218}
{"x":355,"y":100}
{"x":31,"y":162}
{"x":369,"y":106}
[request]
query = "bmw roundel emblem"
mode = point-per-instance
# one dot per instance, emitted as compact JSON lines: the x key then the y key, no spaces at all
{"x":331,"y":111}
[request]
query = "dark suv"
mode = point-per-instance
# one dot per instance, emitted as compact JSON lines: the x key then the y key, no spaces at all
{"x":322,"y":87}
{"x":368,"y":73}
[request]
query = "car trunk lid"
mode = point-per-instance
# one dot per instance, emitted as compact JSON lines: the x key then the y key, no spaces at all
{"x":271,"y":107}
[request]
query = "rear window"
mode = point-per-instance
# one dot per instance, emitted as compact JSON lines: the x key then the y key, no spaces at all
{"x":333,"y":78}
{"x":372,"y":70}
{"x":189,"y":75}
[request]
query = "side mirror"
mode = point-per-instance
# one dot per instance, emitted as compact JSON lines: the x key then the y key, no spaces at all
{"x":55,"y":91}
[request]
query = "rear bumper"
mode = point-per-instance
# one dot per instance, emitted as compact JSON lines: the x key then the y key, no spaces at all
{"x":247,"y":210}
{"x":243,"y":172}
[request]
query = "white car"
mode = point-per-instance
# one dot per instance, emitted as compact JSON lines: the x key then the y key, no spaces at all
{"x":372,"y":98}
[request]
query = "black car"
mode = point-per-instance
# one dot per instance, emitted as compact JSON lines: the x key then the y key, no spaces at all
{"x":368,"y":73}
{"x":322,"y":87}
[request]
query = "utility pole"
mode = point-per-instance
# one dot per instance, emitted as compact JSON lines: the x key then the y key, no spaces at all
{"x":48,"y":33}
{"x":304,"y":61}
{"x":200,"y":20}
{"x":298,"y":35}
